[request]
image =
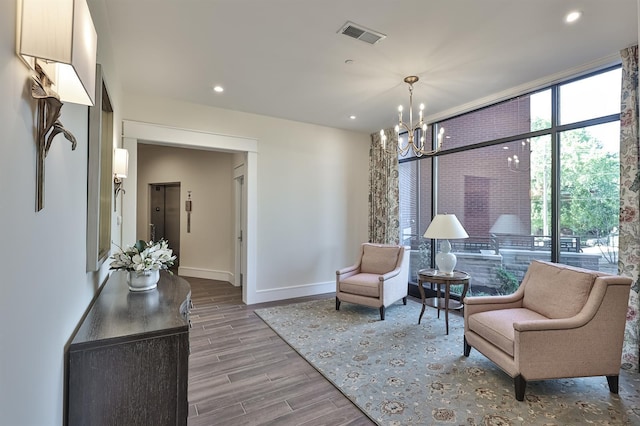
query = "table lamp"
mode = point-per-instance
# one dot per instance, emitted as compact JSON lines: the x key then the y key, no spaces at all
{"x":445,"y":227}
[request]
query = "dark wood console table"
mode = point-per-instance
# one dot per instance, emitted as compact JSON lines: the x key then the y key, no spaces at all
{"x":128,"y":361}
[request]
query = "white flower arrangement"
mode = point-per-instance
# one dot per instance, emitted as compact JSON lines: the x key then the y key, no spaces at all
{"x":144,"y":256}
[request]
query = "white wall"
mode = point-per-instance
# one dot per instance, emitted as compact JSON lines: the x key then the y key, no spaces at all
{"x":206,"y":251}
{"x":44,"y":289}
{"x":312,"y":191}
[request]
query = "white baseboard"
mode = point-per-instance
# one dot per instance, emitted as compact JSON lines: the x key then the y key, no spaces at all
{"x":302,"y":290}
{"x":205,"y":273}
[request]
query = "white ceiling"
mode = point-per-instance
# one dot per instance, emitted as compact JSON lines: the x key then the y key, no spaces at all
{"x":285,"y":58}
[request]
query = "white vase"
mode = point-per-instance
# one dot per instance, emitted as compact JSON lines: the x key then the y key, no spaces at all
{"x":142,"y":280}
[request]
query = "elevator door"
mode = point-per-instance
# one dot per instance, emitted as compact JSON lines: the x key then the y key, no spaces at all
{"x":164,"y":216}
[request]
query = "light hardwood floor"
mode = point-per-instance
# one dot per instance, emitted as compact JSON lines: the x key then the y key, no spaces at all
{"x":242,"y":373}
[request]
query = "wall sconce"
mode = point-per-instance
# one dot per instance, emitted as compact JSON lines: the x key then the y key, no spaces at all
{"x":57,"y":40}
{"x":120,"y":170}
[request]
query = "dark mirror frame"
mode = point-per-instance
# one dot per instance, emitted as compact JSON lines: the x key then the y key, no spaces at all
{"x":99,"y":176}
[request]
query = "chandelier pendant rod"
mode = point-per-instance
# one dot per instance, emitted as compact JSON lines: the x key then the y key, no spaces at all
{"x":410,"y":128}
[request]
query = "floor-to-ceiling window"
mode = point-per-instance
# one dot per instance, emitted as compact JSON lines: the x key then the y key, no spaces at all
{"x":534,"y":177}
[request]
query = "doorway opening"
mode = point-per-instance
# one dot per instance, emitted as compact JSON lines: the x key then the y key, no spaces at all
{"x":164,"y":215}
{"x":135,"y":132}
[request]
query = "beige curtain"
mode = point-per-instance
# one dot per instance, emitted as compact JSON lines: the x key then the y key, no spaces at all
{"x":384,"y":199}
{"x":629,"y":242}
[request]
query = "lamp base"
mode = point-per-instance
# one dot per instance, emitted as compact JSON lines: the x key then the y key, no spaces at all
{"x":445,"y":260}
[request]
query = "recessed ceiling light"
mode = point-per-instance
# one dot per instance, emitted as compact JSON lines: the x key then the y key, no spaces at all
{"x":218,"y":89}
{"x":353,"y":117}
{"x":572,"y":16}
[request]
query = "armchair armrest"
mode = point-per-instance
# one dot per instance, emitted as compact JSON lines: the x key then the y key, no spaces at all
{"x":389,"y":275}
{"x":347,"y":271}
{"x":475,"y":304}
{"x":491,"y":300}
{"x":552,"y":324}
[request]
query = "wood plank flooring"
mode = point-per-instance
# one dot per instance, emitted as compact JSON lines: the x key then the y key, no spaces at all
{"x":242,"y":373}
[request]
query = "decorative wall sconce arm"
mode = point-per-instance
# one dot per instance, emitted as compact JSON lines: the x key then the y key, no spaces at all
{"x":48,"y":126}
{"x":120,"y":171}
{"x":117,"y":188}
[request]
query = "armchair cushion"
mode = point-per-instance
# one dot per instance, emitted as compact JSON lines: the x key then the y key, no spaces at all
{"x":497,"y":326}
{"x":558,"y":291}
{"x":378,"y":259}
{"x":362,"y":284}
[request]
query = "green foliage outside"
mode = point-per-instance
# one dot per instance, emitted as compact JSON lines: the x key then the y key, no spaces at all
{"x":508,"y":281}
{"x":589,"y":178}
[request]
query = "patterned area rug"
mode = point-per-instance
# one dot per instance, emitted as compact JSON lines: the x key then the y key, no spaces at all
{"x":402,"y":373}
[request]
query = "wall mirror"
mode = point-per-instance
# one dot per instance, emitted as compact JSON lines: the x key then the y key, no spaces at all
{"x":99,"y":179}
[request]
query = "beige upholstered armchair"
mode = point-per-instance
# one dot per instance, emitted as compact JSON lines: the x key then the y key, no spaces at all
{"x":561,"y":322}
{"x":378,"y":279}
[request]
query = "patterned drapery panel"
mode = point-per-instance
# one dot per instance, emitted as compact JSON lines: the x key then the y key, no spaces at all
{"x":384,"y":195}
{"x":629,"y":244}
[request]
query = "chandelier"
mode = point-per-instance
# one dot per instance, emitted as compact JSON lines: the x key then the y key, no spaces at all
{"x":420,"y":128}
{"x":513,"y":161}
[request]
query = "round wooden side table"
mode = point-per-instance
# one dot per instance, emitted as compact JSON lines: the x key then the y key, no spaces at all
{"x":433,"y":276}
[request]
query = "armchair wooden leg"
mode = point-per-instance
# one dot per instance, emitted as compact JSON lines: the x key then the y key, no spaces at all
{"x":467,"y":347}
{"x":381,"y":313}
{"x":613,"y":383}
{"x":337,"y":304}
{"x":520,"y":385}
{"x":404,"y":300}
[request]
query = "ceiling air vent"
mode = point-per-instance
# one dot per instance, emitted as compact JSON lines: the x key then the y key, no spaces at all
{"x":361,"y":33}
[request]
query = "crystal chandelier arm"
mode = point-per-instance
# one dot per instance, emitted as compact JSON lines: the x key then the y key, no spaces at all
{"x":401,"y":125}
{"x":404,"y":127}
{"x":403,"y":150}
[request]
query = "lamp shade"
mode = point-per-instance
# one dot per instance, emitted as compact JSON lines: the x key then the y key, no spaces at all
{"x":508,"y":224}
{"x":60,"y":37}
{"x":121,"y":163}
{"x":445,"y":226}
